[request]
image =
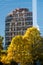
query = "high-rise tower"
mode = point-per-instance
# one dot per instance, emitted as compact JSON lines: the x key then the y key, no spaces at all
{"x":16,"y":23}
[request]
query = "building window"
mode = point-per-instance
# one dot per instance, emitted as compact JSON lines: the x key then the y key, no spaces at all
{"x":9,"y":18}
{"x":7,"y":29}
{"x":7,"y":43}
{"x":15,"y":15}
{"x":22,"y":23}
{"x":7,"y":38}
{"x":7,"y":34}
{"x":28,"y":18}
{"x":19,"y":32}
{"x":14,"y":28}
{"x":26,"y":23}
{"x":18,"y":23}
{"x":15,"y":33}
{"x":18,"y":28}
{"x":7,"y":24}
{"x":31,"y":23}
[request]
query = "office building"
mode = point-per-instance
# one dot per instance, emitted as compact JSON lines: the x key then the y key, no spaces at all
{"x":16,"y":23}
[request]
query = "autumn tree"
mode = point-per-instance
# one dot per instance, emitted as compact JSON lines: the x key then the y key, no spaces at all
{"x":1,"y":41}
{"x":3,"y":52}
{"x":18,"y":51}
{"x":32,"y":35}
{"x":25,"y":49}
{"x":41,"y":51}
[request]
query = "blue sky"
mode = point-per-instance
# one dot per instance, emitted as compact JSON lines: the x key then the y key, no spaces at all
{"x":6,"y":6}
{"x":40,"y":14}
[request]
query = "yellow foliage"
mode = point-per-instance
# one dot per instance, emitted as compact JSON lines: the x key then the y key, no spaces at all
{"x":3,"y":59}
{"x":19,"y":49}
{"x":24,"y":48}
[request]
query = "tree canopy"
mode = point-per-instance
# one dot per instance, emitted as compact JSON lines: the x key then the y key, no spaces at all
{"x":25,"y":48}
{"x":1,"y":41}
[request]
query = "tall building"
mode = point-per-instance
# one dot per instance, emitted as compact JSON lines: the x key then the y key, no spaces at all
{"x":16,"y":23}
